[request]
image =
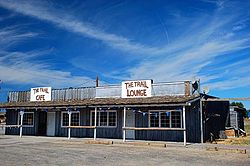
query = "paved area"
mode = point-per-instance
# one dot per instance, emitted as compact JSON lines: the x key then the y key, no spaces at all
{"x":31,"y":150}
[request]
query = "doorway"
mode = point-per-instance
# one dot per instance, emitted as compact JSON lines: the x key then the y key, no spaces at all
{"x":42,"y":123}
{"x":51,"y":123}
{"x":130,"y":122}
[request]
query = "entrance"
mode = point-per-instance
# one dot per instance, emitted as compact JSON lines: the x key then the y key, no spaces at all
{"x":42,"y":123}
{"x":51,"y":123}
{"x":130,"y":121}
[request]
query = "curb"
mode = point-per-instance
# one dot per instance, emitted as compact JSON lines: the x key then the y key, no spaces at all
{"x":99,"y":142}
{"x":240,"y":151}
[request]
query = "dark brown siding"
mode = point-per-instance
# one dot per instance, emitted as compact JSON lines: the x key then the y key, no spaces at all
{"x":193,"y":123}
{"x":215,"y":117}
{"x":142,"y":121}
{"x":12,"y":119}
{"x":101,"y":132}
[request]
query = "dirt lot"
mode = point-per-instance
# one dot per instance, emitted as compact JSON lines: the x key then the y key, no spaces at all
{"x":242,"y":140}
{"x":63,"y":152}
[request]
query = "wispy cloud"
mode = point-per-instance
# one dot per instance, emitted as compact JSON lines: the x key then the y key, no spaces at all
{"x":204,"y":40}
{"x":20,"y":67}
{"x":43,"y":12}
{"x":24,"y":68}
{"x":196,"y":51}
{"x":12,"y":35}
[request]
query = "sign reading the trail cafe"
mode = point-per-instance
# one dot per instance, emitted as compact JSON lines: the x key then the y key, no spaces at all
{"x":136,"y":89}
{"x":40,"y":94}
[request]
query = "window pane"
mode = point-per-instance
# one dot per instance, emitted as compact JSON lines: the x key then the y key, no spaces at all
{"x":75,"y":117}
{"x":176,"y":119}
{"x":28,"y":118}
{"x":112,"y":118}
{"x":154,"y":119}
{"x":103,"y":118}
{"x":165,"y":119}
{"x":93,"y":119}
{"x":65,"y":121}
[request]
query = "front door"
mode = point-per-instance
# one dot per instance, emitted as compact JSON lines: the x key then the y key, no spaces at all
{"x":42,"y":123}
{"x":130,"y":122}
{"x":51,"y":123}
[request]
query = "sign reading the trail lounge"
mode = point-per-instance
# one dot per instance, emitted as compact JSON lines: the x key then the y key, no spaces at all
{"x":136,"y":89}
{"x":40,"y":94}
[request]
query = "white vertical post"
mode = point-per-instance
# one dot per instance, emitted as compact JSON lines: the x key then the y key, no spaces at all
{"x":69,"y":129}
{"x":124,"y":124}
{"x":95,"y":123}
{"x":201,"y":115}
{"x":184,"y":126}
{"x":21,"y":127}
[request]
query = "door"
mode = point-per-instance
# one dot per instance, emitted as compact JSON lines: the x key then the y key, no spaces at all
{"x":51,"y":123}
{"x":42,"y":123}
{"x":130,"y":122}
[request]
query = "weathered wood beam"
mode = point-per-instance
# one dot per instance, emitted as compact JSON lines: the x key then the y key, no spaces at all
{"x":152,"y":128}
{"x":81,"y":127}
{"x":10,"y":126}
{"x":228,"y":99}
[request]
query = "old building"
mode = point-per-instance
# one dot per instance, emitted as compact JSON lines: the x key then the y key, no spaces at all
{"x":143,"y":110}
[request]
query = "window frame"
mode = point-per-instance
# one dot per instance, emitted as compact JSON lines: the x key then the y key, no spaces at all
{"x":170,"y":118}
{"x":98,"y":118}
{"x":33,"y":119}
{"x":63,"y":112}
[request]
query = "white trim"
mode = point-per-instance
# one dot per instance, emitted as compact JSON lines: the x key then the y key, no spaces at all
{"x":98,"y":117}
{"x":68,"y":115}
{"x":124,"y":124}
{"x":33,"y":121}
{"x":184,"y":126}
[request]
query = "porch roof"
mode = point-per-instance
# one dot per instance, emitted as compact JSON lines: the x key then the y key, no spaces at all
{"x":101,"y":102}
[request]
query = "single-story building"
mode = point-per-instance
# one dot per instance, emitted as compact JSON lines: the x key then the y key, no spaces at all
{"x":137,"y":110}
{"x":236,"y":121}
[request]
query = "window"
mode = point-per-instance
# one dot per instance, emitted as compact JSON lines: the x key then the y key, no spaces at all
{"x":112,"y":119}
{"x":28,"y":119}
{"x":165,"y":119}
{"x":104,"y":118}
{"x":176,"y":119}
{"x":170,"y":119}
{"x":154,"y":119}
{"x":75,"y":119}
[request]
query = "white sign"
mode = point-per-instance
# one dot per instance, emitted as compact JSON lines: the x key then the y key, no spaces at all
{"x":136,"y":89}
{"x":40,"y":94}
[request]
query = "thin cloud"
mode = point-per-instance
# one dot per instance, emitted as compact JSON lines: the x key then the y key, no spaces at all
{"x":69,"y":23}
{"x":205,"y":39}
{"x":24,"y":68}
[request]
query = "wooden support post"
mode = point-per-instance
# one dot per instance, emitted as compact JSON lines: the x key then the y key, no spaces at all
{"x":95,"y":123}
{"x":201,"y":120}
{"x":184,"y":126}
{"x":21,"y":127}
{"x":69,"y":129}
{"x":124,"y":124}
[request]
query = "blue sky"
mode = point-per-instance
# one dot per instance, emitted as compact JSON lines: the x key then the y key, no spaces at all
{"x":68,"y":43}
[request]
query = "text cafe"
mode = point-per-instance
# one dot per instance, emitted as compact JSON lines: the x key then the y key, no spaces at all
{"x":40,"y":94}
{"x":136,"y":89}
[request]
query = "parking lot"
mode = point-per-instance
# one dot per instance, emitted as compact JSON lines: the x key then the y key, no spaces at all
{"x":31,"y":150}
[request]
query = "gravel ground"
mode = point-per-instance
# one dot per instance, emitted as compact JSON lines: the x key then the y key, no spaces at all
{"x":60,"y":151}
